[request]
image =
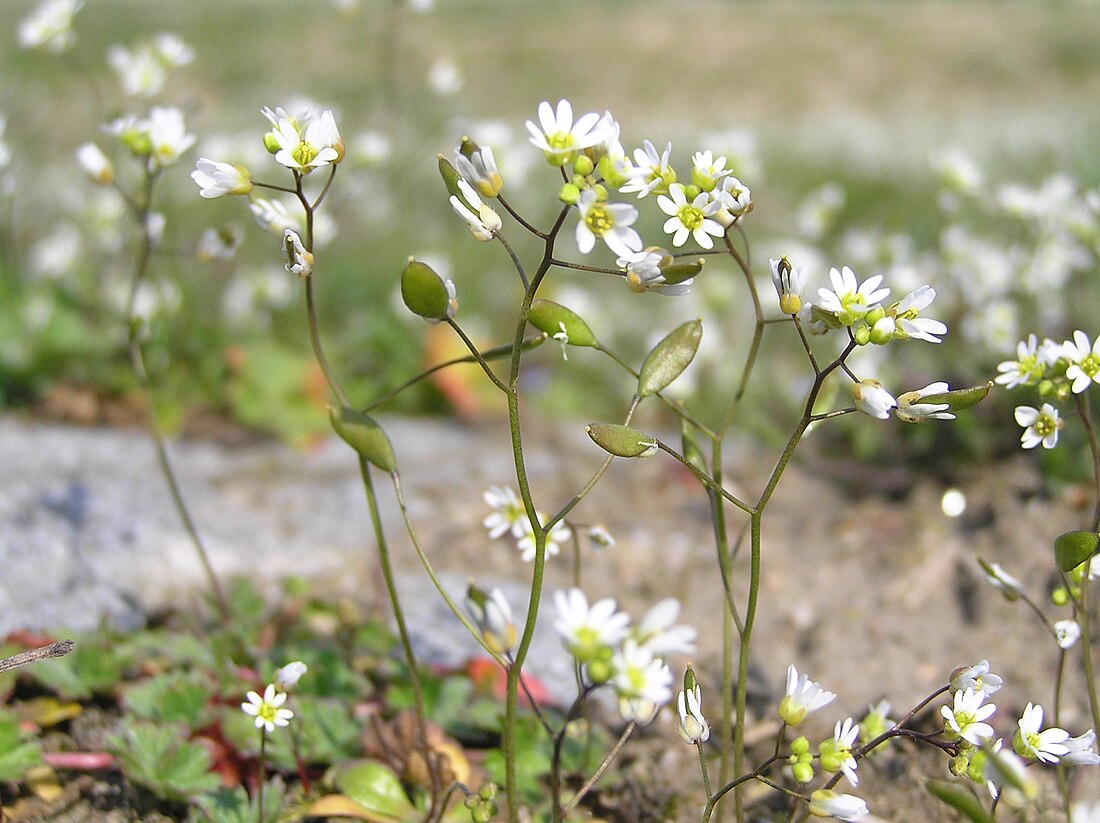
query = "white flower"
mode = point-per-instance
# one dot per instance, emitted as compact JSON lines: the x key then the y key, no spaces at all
{"x":508,"y":513}
{"x":652,"y":172}
{"x":1067,"y":632}
{"x":965,"y":718}
{"x":608,"y":221}
{"x":267,"y":709}
{"x":557,"y":535}
{"x":734,"y":199}
{"x":218,"y":244}
{"x":976,"y":677}
{"x":480,"y":169}
{"x":872,"y":399}
{"x":836,"y":752}
{"x":850,"y":300}
{"x":445,"y":77}
{"x":493,"y":616}
{"x":692,"y":218}
{"x":600,"y":537}
{"x":1027,"y":369}
{"x":803,"y":696}
{"x":560,"y":138}
{"x":656,"y":630}
{"x":693,"y":726}
{"x":297,"y":259}
{"x":50,"y":26}
{"x":154,"y":227}
{"x":273,"y":216}
{"x":1046,"y":746}
{"x":706,"y":171}
{"x":789,"y":283}
{"x":1081,"y":750}
{"x":1084,"y":361}
{"x":909,"y":325}
{"x":485,"y":223}
{"x":287,"y":677}
{"x":827,"y":803}
{"x":140,"y":71}
{"x":1009,"y":585}
{"x":95,"y":164}
{"x":307,"y":142}
{"x":168,"y":136}
{"x":642,"y":681}
{"x":172,"y":50}
{"x":911,"y":410}
{"x":1008,"y":779}
{"x":644,"y":273}
{"x":1040,"y":426}
{"x":587,"y":630}
{"x":215,"y":179}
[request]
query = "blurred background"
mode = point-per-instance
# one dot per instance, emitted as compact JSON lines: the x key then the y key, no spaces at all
{"x":932,"y":141}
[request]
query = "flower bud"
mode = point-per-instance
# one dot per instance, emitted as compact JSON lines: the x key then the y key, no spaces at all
{"x":95,"y":164}
{"x":569,"y":193}
{"x":599,"y":671}
{"x":583,"y":165}
{"x":803,"y":772}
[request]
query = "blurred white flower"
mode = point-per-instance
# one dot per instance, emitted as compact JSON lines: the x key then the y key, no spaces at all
{"x":273,"y":216}
{"x":657,"y":630}
{"x":978,"y":677}
{"x":287,"y":677}
{"x":168,"y":135}
{"x":95,"y":164}
{"x":642,"y":681}
{"x":215,"y":178}
{"x":445,"y":77}
{"x":1032,"y":744}
{"x":50,"y":26}
{"x":140,"y":71}
{"x":1067,"y":632}
{"x":587,"y":630}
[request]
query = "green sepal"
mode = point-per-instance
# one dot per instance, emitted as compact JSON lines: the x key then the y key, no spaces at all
{"x":365,"y":436}
{"x":1071,"y":549}
{"x":550,"y":317}
{"x":679,"y":272}
{"x":621,"y":441}
{"x":668,"y":359}
{"x":960,"y":799}
{"x":959,"y":399}
{"x":424,"y":292}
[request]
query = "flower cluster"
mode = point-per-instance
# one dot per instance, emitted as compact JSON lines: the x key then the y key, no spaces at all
{"x":267,"y":709}
{"x":509,"y":517}
{"x":630,"y":660}
{"x":161,"y":138}
{"x":1056,"y":371}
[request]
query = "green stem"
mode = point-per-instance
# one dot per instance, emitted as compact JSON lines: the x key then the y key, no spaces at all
{"x":263,"y":773}
{"x":477,"y":355}
{"x":596,"y":775}
{"x":704,"y":478}
{"x":749,"y":621}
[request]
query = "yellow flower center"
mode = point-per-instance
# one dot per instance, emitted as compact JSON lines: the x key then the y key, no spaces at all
{"x":1045,"y":425}
{"x":598,"y":220}
{"x":304,"y":154}
{"x":691,"y":217}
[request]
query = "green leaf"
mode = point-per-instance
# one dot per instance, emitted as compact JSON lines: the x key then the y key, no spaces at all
{"x":532,"y":760}
{"x":235,"y":806}
{"x":16,"y":756}
{"x":375,"y":786}
{"x":550,"y":317}
{"x":365,"y":436}
{"x":668,"y":359}
{"x":621,"y":441}
{"x":172,"y":697}
{"x":90,"y":668}
{"x":161,"y":758}
{"x":1071,"y":549}
{"x":960,"y":799}
{"x":425,"y":293}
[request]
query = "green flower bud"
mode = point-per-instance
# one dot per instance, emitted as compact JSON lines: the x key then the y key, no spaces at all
{"x":831,"y":761}
{"x":569,"y":193}
{"x":800,"y":745}
{"x":487,"y":791}
{"x":861,"y":333}
{"x":583,"y":165}
{"x":874,"y":315}
{"x":601,"y":192}
{"x":958,"y":765}
{"x":803,"y":772}
{"x":271,"y":143}
{"x":691,"y":191}
{"x":1059,"y":597}
{"x":600,"y":671}
{"x":702,"y":181}
{"x":481,"y":815}
{"x":791,"y":711}
{"x":975,"y":769}
{"x":614,"y":177}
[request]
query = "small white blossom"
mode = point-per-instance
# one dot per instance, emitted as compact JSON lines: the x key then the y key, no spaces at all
{"x":268,"y":709}
{"x":733,"y":198}
{"x":168,"y":135}
{"x":911,"y":410}
{"x":480,"y":170}
{"x":1030,"y":743}
{"x":693,"y":726}
{"x":508,"y":514}
{"x":803,"y":696}
{"x":694,"y":218}
{"x":644,"y":274}
{"x":273,"y":216}
{"x":287,"y":677}
{"x":910,"y":325}
{"x":482,"y":221}
{"x":706,"y":172}
{"x":557,"y":535}
{"x":95,"y":164}
{"x":965,"y":718}
{"x":1008,"y":779}
{"x":976,"y":677}
{"x":1081,"y":750}
{"x":657,"y":630}
{"x":1040,"y":426}
{"x":559,"y":137}
{"x":306,"y":142}
{"x":652,"y":173}
{"x":827,"y":803}
{"x":172,"y":50}
{"x":1000,"y":579}
{"x":789,"y":283}
{"x":600,"y":537}
{"x":642,"y":681}
{"x":836,"y":752}
{"x":1067,"y":632}
{"x":50,"y":26}
{"x":1084,"y":368}
{"x":1030,"y":364}
{"x":215,"y":178}
{"x":586,"y":630}
{"x":218,"y":244}
{"x":872,"y":399}
{"x":849,"y":300}
{"x":297,"y":259}
{"x":140,"y":71}
{"x":493,"y":616}
{"x":609,"y":222}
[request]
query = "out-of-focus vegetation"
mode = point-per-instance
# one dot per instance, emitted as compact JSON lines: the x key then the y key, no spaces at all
{"x":883,"y":136}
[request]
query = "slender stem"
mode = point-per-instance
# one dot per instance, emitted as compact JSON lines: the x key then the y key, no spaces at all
{"x":704,"y":478}
{"x":1084,"y":413}
{"x":704,"y":770}
{"x":556,"y":810}
{"x":477,"y":355}
{"x":596,"y":775}
{"x":1083,"y":618}
{"x":754,"y":347}
{"x":515,"y":215}
{"x":402,"y":628}
{"x":328,"y":183}
{"x":515,"y":261}
{"x":743,"y":656}
{"x":58,"y":649}
{"x":257,"y":184}
{"x":565,"y":264}
{"x":263,"y":773}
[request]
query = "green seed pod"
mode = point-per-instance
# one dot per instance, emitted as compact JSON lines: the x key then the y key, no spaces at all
{"x":668,"y":359}
{"x":365,"y":436}
{"x":958,"y":399}
{"x":679,"y":272}
{"x":689,"y":679}
{"x":425,"y":293}
{"x":1071,"y":549}
{"x":450,"y":177}
{"x":621,"y":441}
{"x":550,"y":317}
